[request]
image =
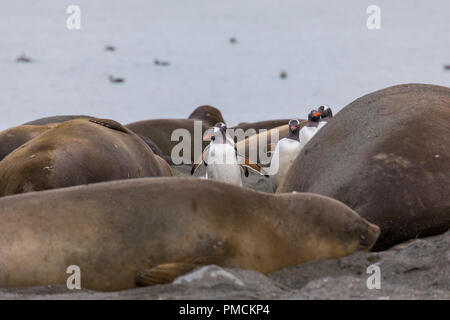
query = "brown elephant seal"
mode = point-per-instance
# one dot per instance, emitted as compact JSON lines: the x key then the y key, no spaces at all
{"x":77,"y":152}
{"x":267,"y":124}
{"x":160,"y":131}
{"x":387,"y":156}
{"x":250,"y":147}
{"x":151,"y":230}
{"x":209,"y":114}
{"x":12,"y":138}
{"x":57,"y":119}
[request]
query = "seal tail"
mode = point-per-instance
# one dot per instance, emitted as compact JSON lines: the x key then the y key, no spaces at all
{"x":163,"y":273}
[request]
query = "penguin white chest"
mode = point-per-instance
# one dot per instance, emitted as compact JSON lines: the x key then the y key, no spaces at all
{"x":285,"y":153}
{"x":223,"y":165}
{"x":306,"y":133}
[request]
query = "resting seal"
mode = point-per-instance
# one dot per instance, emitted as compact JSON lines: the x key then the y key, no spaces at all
{"x":77,"y":152}
{"x":12,"y":138}
{"x":151,"y":230}
{"x":160,"y":130}
{"x":57,"y":119}
{"x":387,"y":156}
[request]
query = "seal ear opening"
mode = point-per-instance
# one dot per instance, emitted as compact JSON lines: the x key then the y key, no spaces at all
{"x":163,"y":273}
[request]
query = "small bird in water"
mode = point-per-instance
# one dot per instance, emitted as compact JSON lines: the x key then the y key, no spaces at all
{"x":116,"y":80}
{"x":23,"y":58}
{"x":283,"y":75}
{"x":110,"y":48}
{"x":233,"y":40}
{"x":161,"y":63}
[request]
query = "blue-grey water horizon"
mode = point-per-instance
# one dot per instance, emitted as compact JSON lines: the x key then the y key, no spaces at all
{"x":328,"y":53}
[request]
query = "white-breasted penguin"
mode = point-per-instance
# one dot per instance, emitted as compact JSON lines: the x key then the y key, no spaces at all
{"x":285,"y":153}
{"x":311,"y":127}
{"x":221,"y":157}
{"x":325,"y":115}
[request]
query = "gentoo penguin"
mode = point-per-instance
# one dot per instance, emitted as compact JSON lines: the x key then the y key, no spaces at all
{"x":221,"y":157}
{"x":311,"y":127}
{"x":286,"y":151}
{"x":325,"y":115}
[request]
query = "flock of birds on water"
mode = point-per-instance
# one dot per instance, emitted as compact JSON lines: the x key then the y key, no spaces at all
{"x":22,"y":58}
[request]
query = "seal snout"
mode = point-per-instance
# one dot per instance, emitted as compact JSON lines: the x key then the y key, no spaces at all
{"x":368,"y":236}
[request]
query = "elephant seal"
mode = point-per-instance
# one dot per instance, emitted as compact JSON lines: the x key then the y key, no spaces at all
{"x":209,"y":114}
{"x":160,"y":130}
{"x":267,"y":124}
{"x":151,"y":230}
{"x":56,"y":119}
{"x":387,"y":156}
{"x":77,"y":152}
{"x":12,"y":138}
{"x":252,"y":144}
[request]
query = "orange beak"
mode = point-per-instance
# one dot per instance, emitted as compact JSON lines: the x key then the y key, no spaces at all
{"x":207,"y":137}
{"x":316,"y":114}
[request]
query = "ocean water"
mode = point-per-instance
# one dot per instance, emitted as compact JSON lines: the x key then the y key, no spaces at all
{"x":328,"y":53}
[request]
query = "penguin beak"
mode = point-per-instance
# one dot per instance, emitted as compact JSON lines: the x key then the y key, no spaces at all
{"x":316,"y":114}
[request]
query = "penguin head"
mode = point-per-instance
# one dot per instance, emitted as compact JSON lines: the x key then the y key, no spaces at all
{"x":314,"y":116}
{"x":219,"y":132}
{"x":294,"y":126}
{"x":325,"y":111}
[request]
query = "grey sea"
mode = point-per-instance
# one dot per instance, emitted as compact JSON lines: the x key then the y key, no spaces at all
{"x":324,"y":47}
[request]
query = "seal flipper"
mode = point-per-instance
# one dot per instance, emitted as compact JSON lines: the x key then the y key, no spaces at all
{"x":110,"y":124}
{"x":164,"y":273}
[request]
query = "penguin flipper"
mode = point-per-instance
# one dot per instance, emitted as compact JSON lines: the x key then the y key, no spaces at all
{"x":254,"y":166}
{"x":245,"y":170}
{"x":163,"y":273}
{"x":200,"y":160}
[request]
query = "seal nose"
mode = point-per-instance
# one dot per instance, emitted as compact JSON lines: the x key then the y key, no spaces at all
{"x":368,"y":236}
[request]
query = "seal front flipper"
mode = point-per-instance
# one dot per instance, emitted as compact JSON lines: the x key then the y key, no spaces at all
{"x":110,"y":124}
{"x":164,"y":273}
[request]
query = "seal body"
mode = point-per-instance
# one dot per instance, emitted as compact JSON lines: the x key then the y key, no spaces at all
{"x":77,"y":152}
{"x":12,"y":138}
{"x":208,"y":114}
{"x":160,"y":131}
{"x":387,"y":156}
{"x":57,"y":119}
{"x":112,"y":230}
